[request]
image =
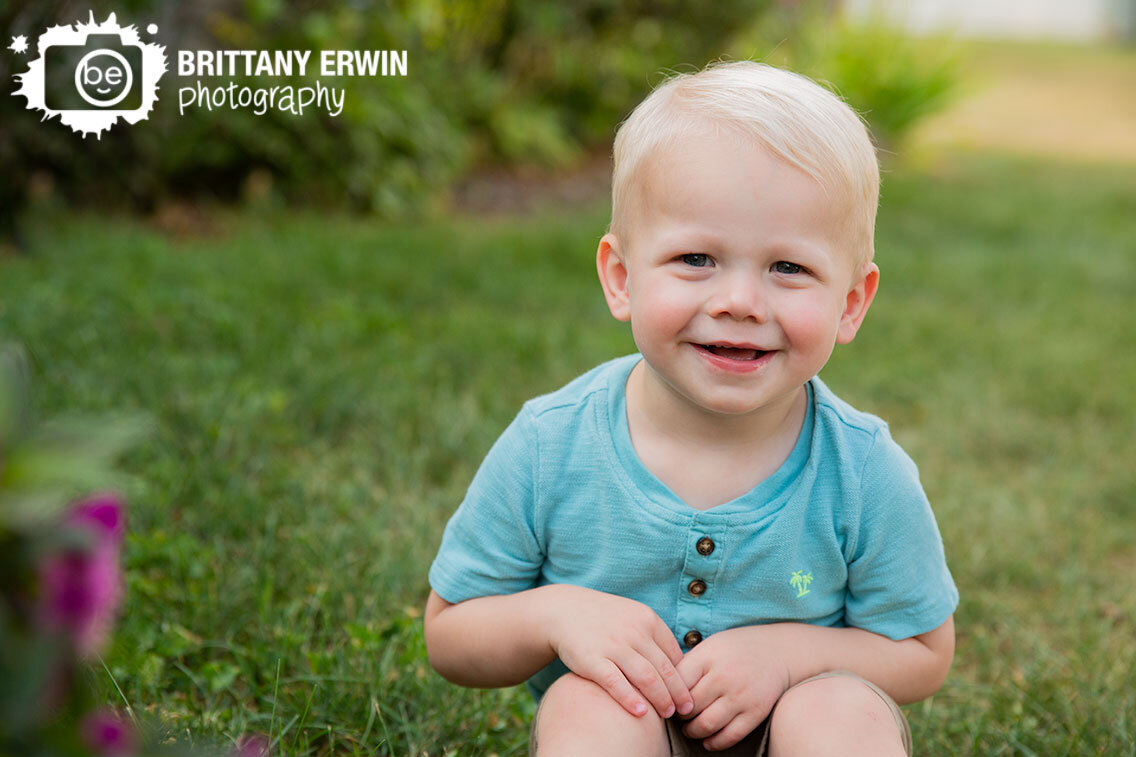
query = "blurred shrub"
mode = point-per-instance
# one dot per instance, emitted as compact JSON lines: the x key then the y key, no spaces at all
{"x":889,"y":77}
{"x":489,"y":81}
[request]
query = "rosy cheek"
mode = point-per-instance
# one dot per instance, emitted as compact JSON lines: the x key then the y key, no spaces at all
{"x":806,"y":322}
{"x":658,"y":313}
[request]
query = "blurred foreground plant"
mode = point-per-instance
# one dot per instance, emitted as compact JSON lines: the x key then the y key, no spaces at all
{"x":60,"y":578}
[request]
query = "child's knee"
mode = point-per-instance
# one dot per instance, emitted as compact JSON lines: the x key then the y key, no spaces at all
{"x":575,"y":697}
{"x":827,"y":712}
{"x":576,"y":708}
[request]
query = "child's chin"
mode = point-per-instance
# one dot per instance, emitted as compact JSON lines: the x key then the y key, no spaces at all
{"x":729,"y":407}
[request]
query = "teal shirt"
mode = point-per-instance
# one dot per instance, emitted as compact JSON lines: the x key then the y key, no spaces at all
{"x":841,"y":535}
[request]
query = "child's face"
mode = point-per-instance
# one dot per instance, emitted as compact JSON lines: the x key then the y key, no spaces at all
{"x":736,"y":276}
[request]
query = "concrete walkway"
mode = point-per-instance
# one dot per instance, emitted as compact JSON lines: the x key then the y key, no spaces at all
{"x":1074,"y":103}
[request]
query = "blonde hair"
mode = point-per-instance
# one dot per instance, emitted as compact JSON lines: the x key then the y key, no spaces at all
{"x":790,"y":115}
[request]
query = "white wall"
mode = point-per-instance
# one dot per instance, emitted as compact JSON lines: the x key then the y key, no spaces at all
{"x":1038,"y":19}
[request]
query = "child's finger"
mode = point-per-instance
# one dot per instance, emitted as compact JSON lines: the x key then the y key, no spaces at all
{"x":691,"y":669}
{"x":731,"y":733}
{"x":712,"y":719}
{"x":641,"y":672}
{"x":679,"y":693}
{"x":612,"y":680}
{"x":667,"y":642}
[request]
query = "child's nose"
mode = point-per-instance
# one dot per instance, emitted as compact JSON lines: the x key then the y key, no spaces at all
{"x":740,"y":298}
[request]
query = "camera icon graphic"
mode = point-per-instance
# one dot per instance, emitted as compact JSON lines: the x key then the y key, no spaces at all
{"x":101,"y":73}
{"x":91,"y":75}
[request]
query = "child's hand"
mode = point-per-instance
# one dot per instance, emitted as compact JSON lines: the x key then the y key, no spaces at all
{"x":623,"y":646}
{"x":736,"y":677}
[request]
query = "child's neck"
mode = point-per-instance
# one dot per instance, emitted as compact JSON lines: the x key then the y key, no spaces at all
{"x":657,"y":410}
{"x":705,"y":458}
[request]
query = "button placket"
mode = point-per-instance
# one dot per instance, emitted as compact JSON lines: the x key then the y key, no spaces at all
{"x":701,"y":565}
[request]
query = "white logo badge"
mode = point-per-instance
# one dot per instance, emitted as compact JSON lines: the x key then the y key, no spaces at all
{"x":92,"y":74}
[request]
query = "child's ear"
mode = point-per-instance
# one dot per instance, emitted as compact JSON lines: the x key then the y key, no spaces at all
{"x":857,"y":302}
{"x":613,"y":277}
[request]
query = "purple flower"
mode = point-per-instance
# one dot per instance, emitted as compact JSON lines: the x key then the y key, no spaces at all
{"x":81,"y":587}
{"x":251,"y":746}
{"x":107,"y":734}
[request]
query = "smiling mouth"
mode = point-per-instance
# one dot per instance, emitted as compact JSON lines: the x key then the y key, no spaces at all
{"x":732,"y":353}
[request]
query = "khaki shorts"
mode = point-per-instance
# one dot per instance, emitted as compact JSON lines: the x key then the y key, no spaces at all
{"x":756,"y":743}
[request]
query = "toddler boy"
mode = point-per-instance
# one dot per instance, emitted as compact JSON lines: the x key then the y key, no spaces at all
{"x":700,"y":546}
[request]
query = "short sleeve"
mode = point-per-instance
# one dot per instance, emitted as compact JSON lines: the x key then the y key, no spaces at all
{"x":898,"y":581}
{"x":490,"y":546}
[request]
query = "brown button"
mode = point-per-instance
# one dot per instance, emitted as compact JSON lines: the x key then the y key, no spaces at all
{"x":705,"y":546}
{"x":691,"y":638}
{"x":697,"y":587}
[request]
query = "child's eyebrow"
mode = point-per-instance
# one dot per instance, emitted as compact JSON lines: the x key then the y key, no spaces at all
{"x":701,"y":240}
{"x":796,"y":248}
{"x":691,"y":239}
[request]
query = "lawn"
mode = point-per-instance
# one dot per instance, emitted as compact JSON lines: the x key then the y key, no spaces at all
{"x":324,"y":388}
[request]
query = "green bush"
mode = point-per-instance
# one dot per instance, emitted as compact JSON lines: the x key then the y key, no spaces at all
{"x":889,"y":77}
{"x":489,"y":82}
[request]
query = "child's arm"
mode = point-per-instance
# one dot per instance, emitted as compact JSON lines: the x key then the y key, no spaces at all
{"x":743,"y":671}
{"x":502,"y":640}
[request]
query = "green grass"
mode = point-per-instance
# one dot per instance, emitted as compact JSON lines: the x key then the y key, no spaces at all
{"x":325,"y":387}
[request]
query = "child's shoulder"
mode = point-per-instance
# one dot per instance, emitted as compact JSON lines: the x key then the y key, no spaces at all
{"x":854,"y":439}
{"x":835,"y":411}
{"x":597,"y":384}
{"x":846,"y":427}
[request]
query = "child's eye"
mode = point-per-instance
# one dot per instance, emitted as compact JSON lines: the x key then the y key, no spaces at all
{"x":787,"y":268}
{"x":696,"y":260}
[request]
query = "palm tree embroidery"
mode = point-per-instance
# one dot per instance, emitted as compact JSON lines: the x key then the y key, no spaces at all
{"x":800,"y":581}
